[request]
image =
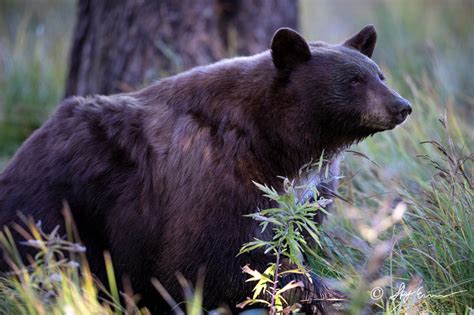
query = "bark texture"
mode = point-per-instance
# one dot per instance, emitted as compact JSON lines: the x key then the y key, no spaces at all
{"x":120,"y":45}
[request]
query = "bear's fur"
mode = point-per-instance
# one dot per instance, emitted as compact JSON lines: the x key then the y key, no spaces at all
{"x":162,"y":177}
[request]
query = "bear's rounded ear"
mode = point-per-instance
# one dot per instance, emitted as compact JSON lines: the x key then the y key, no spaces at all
{"x":364,"y":41}
{"x":289,"y":49}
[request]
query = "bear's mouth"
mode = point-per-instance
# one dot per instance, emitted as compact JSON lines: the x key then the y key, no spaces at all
{"x":377,"y":126}
{"x":381,"y":125}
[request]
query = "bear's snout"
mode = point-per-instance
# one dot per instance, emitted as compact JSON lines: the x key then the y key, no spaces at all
{"x":400,"y":108}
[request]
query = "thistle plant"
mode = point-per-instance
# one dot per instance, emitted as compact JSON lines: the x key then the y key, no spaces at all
{"x":292,"y":225}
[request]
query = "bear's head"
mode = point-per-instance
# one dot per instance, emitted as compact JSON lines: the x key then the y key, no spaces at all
{"x":334,"y":94}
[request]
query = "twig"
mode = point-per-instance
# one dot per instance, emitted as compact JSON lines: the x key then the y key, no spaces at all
{"x":275,"y":281}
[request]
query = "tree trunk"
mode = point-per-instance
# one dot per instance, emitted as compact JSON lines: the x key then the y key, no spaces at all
{"x":120,"y":45}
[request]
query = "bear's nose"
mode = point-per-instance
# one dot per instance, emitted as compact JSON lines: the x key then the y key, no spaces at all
{"x":401,"y":107}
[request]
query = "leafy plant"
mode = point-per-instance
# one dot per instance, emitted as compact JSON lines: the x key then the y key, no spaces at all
{"x":291,"y":223}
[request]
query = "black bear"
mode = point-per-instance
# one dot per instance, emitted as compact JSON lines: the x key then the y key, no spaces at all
{"x":162,"y":177}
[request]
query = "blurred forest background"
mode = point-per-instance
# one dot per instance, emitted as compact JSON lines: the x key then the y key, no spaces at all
{"x":418,"y":40}
{"x":425,"y":47}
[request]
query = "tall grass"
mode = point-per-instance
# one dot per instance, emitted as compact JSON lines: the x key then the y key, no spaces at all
{"x":425,"y":48}
{"x":428,"y":164}
{"x":56,"y":280}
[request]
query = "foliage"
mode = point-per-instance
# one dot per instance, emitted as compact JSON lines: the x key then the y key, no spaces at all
{"x":289,"y":222}
{"x":57,"y":279}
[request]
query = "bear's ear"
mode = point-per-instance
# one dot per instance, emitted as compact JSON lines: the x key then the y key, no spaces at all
{"x":364,"y":41}
{"x":289,"y":49}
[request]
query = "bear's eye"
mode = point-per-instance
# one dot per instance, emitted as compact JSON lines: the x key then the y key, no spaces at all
{"x":381,"y":76}
{"x":357,"y":80}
